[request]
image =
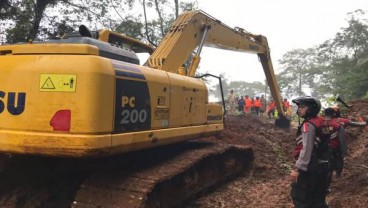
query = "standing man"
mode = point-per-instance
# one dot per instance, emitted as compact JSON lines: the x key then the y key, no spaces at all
{"x":257,"y":104}
{"x":286,"y":106}
{"x":231,"y":99}
{"x":263,"y":101}
{"x":309,"y":176}
{"x":241,"y":105}
{"x":248,"y":104}
{"x":271,"y":109}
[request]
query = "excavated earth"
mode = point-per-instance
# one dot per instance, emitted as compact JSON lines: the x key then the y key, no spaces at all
{"x":45,"y":182}
{"x":269,"y":184}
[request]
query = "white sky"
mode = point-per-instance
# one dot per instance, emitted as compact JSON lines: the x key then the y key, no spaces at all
{"x":287,"y":24}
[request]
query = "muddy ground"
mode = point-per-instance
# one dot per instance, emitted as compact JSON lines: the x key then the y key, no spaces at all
{"x":268,"y":185}
{"x":31,"y":182}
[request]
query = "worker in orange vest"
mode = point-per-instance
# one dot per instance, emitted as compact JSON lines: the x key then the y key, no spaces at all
{"x":257,"y":104}
{"x":248,"y":104}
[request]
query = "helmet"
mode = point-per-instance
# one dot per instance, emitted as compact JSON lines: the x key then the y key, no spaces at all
{"x":314,"y":105}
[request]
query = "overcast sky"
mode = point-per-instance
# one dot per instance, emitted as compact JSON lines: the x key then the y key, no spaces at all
{"x":287,"y":24}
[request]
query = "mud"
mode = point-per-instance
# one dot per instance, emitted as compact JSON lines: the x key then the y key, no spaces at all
{"x":42,"y":182}
{"x":269,"y":185}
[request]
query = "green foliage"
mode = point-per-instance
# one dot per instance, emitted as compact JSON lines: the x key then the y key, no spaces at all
{"x":21,"y":20}
{"x":337,"y":66}
{"x":297,"y":71}
{"x":131,"y":27}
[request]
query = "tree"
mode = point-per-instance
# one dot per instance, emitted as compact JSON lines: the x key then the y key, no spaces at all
{"x":240,"y":88}
{"x":297,"y":74}
{"x":39,"y":19}
{"x":339,"y":59}
{"x":156,"y":27}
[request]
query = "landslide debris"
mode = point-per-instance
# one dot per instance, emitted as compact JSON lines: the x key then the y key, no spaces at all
{"x":269,"y":185}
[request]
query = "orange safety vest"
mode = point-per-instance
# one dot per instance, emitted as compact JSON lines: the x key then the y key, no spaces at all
{"x":257,"y":103}
{"x":286,"y":104}
{"x":248,"y":102}
{"x":271,"y":106}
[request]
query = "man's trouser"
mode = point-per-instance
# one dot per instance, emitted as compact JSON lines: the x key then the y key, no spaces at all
{"x":336,"y":163}
{"x":311,"y":188}
{"x":271,"y":113}
{"x":336,"y":160}
{"x":240,"y":108}
{"x":257,"y":111}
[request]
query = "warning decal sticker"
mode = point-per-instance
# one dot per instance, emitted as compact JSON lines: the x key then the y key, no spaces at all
{"x":58,"y":82}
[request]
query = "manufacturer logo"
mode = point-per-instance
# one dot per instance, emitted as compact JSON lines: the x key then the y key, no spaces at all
{"x":214,"y":118}
{"x":16,"y":102}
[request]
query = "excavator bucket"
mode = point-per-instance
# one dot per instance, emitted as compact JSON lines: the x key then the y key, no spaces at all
{"x":282,"y":122}
{"x":339,"y":99}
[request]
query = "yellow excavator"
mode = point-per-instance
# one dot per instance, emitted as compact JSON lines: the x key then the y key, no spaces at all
{"x":86,"y":94}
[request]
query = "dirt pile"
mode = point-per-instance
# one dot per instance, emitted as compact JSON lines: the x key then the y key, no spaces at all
{"x":268,"y":185}
{"x":351,"y":190}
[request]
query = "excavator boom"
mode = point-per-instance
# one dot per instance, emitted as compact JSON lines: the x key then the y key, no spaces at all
{"x":196,"y":29}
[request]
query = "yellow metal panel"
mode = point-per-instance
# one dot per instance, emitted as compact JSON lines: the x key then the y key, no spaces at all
{"x":54,"y":144}
{"x":159,"y":87}
{"x":91,"y":105}
{"x":96,"y":93}
{"x":214,"y":113}
{"x":49,"y":49}
{"x":148,"y":139}
{"x":188,"y":101}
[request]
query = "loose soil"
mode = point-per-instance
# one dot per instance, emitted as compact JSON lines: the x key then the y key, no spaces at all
{"x":268,"y":185}
{"x":35,"y":182}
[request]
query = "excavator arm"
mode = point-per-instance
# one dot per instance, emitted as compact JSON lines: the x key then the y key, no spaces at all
{"x":195,"y":29}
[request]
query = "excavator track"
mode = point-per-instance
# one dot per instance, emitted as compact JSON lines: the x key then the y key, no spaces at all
{"x":161,"y":177}
{"x":167,"y":183}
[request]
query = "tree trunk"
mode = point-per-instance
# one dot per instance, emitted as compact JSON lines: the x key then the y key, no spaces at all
{"x":160,"y":18}
{"x":146,"y":22}
{"x":39,"y":10}
{"x":176,"y":8}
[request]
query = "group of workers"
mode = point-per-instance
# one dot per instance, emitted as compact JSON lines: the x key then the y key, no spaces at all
{"x":246,"y":104}
{"x":271,"y":108}
{"x":320,"y":150}
{"x":256,"y":105}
